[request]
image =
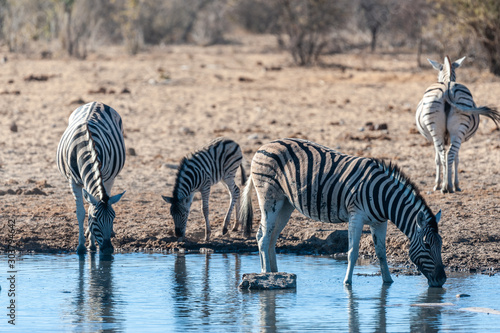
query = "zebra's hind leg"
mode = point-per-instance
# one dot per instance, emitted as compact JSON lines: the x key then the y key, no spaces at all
{"x":356,"y":222}
{"x":439,"y":165}
{"x":80,"y":215}
{"x":451,"y":155}
{"x":440,"y":161}
{"x":270,"y":209}
{"x":281,"y":221}
{"x":234,"y":194}
{"x":456,"y":186}
{"x":379,"y":231}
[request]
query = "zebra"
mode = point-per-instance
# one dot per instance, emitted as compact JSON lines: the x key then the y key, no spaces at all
{"x":448,"y":116}
{"x":328,"y":186}
{"x":217,"y":161}
{"x":90,"y":155}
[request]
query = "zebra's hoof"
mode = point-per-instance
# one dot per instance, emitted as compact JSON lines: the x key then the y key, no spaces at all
{"x":224,"y":231}
{"x":458,"y":189}
{"x":437,"y":188}
{"x":81,"y":249}
{"x":92,"y":248}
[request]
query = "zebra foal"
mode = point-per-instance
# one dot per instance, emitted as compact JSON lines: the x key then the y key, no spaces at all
{"x":332,"y":187}
{"x":448,"y":116}
{"x":217,"y":161}
{"x":90,"y":155}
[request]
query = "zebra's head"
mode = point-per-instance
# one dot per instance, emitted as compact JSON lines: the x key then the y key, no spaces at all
{"x":446,"y":69}
{"x":101,"y":217}
{"x":425,"y":249}
{"x":179,"y":210}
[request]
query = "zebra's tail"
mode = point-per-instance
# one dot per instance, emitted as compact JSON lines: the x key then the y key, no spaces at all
{"x":246,"y":210}
{"x":486,"y":111}
{"x":243,"y":175}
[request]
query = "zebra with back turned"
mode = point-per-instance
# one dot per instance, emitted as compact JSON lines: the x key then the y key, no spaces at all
{"x":90,"y":155}
{"x":329,"y":186}
{"x":217,"y":161}
{"x":447,"y":115}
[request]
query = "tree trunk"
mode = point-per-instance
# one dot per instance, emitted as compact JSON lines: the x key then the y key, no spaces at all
{"x":374,"y":31}
{"x":67,"y":22}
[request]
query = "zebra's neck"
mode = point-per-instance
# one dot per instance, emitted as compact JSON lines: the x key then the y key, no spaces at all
{"x":402,"y":201}
{"x":189,"y":179}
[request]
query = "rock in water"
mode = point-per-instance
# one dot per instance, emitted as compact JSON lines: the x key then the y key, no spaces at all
{"x":266,"y":281}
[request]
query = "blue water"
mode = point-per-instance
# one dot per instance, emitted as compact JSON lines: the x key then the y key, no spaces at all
{"x":199,"y":292}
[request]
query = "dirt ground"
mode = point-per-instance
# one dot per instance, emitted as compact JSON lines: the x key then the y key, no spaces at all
{"x":174,"y":99}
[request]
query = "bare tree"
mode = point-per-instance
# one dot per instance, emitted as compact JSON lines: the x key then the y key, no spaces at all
{"x":376,"y":14}
{"x":307,"y":24}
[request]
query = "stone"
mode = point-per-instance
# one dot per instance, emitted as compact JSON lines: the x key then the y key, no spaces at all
{"x":267,"y":281}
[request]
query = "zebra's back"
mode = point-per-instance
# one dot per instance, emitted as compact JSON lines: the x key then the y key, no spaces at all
{"x":92,"y":146}
{"x":458,"y":119}
{"x":443,"y":112}
{"x":431,"y":115}
{"x":210,"y":164}
{"x":318,"y":181}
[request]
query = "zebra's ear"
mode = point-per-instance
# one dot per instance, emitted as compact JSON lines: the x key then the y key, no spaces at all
{"x":421,"y":221}
{"x":89,"y":198}
{"x":115,"y":198}
{"x":458,"y":62}
{"x":167,"y":199}
{"x":435,"y":64}
{"x":438,"y":216}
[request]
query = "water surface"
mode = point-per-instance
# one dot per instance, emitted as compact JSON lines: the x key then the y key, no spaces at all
{"x":139,"y":292}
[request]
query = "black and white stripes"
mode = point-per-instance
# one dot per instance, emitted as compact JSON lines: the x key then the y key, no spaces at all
{"x":217,"y":161}
{"x":328,"y":186}
{"x":90,"y":155}
{"x":448,"y":116}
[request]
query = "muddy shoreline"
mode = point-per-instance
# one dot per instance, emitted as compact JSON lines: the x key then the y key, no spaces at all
{"x":360,"y":104}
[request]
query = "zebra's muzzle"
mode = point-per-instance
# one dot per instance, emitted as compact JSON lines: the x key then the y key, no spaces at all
{"x":106,"y":248}
{"x":437,"y":278}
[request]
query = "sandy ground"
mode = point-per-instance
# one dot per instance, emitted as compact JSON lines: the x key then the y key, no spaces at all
{"x":177,"y":98}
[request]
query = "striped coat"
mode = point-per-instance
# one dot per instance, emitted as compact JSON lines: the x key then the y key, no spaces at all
{"x":217,"y":161}
{"x":447,"y":116}
{"x":90,"y":155}
{"x":329,"y":186}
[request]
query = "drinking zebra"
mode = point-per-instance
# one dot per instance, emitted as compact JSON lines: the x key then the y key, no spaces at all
{"x":447,"y":115}
{"x":217,"y":161}
{"x":329,"y":186}
{"x":90,"y":155}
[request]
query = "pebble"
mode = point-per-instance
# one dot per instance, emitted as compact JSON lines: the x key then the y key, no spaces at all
{"x":462,"y":295}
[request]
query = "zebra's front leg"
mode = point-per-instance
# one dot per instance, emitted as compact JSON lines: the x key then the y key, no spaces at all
{"x":80,"y":215}
{"x":234,"y":194}
{"x":91,"y":239}
{"x":379,"y":231}
{"x":205,"y":196}
{"x":355,"y":229}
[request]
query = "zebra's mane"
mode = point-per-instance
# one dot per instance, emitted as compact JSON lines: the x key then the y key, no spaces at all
{"x":96,"y":166}
{"x":182,"y":166}
{"x":395,"y":172}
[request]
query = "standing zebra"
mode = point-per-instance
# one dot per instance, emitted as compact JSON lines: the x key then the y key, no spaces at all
{"x":90,"y":155}
{"x":217,"y":161}
{"x":447,"y":115}
{"x":328,"y":186}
